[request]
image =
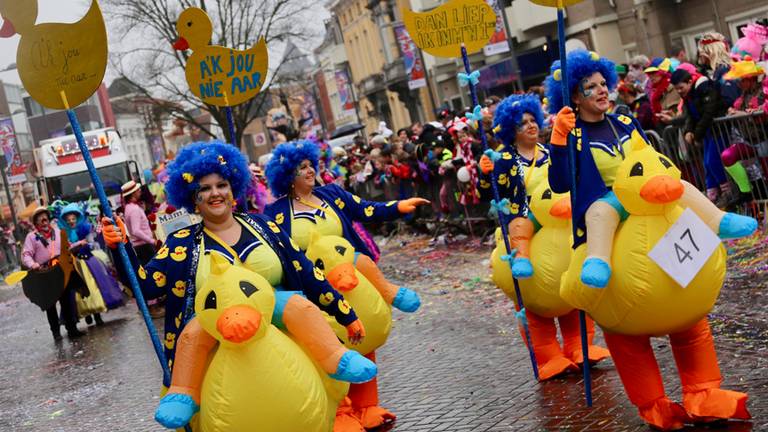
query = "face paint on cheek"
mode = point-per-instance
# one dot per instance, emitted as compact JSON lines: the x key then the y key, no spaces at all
{"x":198,"y":198}
{"x":585,"y":92}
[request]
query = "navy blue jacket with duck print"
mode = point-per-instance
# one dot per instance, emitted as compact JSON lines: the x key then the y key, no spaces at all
{"x":173,"y":270}
{"x":348,"y":207}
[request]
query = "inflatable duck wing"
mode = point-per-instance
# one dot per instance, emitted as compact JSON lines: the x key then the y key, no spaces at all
{"x":641,"y":298}
{"x":258,"y":378}
{"x":57,"y":57}
{"x":218,"y":75}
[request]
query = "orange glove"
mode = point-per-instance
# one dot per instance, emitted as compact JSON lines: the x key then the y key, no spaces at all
{"x":409,"y":205}
{"x":111,"y":235}
{"x":355,"y":332}
{"x":564,"y":124}
{"x":486,"y":164}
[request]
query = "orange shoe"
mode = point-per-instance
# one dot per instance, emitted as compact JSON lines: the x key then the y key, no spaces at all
{"x":595,"y":353}
{"x":375,"y":416}
{"x":714,"y":404}
{"x":556,"y":366}
{"x":346,"y":419}
{"x":664,"y":414}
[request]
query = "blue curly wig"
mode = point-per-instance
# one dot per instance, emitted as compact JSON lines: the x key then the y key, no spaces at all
{"x":286,"y":158}
{"x":581,"y":64}
{"x":509,"y":115}
{"x":200,"y":159}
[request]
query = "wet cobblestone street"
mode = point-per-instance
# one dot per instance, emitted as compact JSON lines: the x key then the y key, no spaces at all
{"x":456,"y":365}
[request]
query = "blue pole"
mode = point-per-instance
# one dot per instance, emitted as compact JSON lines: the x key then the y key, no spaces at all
{"x":120,"y":247}
{"x":572,"y":163}
{"x":502,"y":224}
{"x":231,"y":126}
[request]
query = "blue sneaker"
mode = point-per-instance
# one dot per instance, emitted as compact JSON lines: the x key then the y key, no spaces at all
{"x":355,"y":368}
{"x":522,"y":268}
{"x":595,"y":272}
{"x":734,"y":226}
{"x":406,"y":300}
{"x":175,"y":410}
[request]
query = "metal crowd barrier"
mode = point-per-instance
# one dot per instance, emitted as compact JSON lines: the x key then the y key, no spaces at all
{"x":744,"y":138}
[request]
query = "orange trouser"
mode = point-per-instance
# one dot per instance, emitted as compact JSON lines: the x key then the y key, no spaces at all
{"x":365,"y":394}
{"x":694,"y":351}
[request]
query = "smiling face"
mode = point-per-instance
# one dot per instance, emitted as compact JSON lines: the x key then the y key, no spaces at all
{"x":527,"y":130}
{"x":42,"y":222}
{"x":70,"y":219}
{"x":214,"y":198}
{"x":591,"y":95}
{"x":305,"y":176}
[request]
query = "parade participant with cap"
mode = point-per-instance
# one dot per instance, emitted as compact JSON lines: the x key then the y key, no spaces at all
{"x":638,"y":103}
{"x":137,"y":224}
{"x":206,"y":178}
{"x":302,"y":209}
{"x":42,"y":248}
{"x":600,"y":147}
{"x":664,"y":98}
{"x":753,"y":98}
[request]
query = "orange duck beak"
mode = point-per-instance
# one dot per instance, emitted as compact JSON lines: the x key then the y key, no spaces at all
{"x":343,"y":277}
{"x":562,"y":208}
{"x":238,"y":323}
{"x":181,"y":44}
{"x":661,"y":189}
{"x":7,"y":30}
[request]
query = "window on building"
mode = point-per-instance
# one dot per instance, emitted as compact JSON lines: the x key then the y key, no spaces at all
{"x":33,"y":108}
{"x":737,"y":23}
{"x":12,"y":93}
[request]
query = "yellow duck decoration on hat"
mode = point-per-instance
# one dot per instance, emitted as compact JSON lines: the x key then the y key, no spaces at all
{"x":219,"y":75}
{"x":56,"y":57}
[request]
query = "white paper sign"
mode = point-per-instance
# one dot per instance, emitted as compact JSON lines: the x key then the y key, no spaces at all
{"x":174,"y":221}
{"x":684,"y":248}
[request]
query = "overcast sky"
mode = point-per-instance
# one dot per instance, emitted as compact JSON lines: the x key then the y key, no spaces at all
{"x":72,"y":10}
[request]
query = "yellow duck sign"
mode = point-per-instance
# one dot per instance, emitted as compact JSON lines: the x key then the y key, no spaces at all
{"x":218,"y":75}
{"x":442,"y":30}
{"x":56,"y":58}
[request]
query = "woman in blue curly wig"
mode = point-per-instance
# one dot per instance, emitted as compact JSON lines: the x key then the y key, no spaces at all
{"x":302,"y":209}
{"x":600,"y":141}
{"x":206,"y":179}
{"x":519,"y":170}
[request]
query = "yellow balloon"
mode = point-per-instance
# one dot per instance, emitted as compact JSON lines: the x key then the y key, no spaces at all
{"x":442,"y":30}
{"x":218,"y":75}
{"x":266,"y":382}
{"x":337,"y":254}
{"x":641,"y":298}
{"x":53,"y":58}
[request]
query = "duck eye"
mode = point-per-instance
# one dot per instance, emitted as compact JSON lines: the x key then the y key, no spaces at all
{"x":247,"y":288}
{"x":667,"y":164}
{"x":189,"y":23}
{"x":637,"y":170}
{"x":547,"y":194}
{"x":210,"y":300}
{"x":341,"y":250}
{"x":320,"y":264}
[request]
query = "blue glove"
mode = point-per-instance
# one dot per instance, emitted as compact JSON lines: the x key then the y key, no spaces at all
{"x":406,"y":300}
{"x":354,"y":368}
{"x":734,"y":226}
{"x":175,"y":410}
{"x":522,"y":268}
{"x":595,"y":272}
